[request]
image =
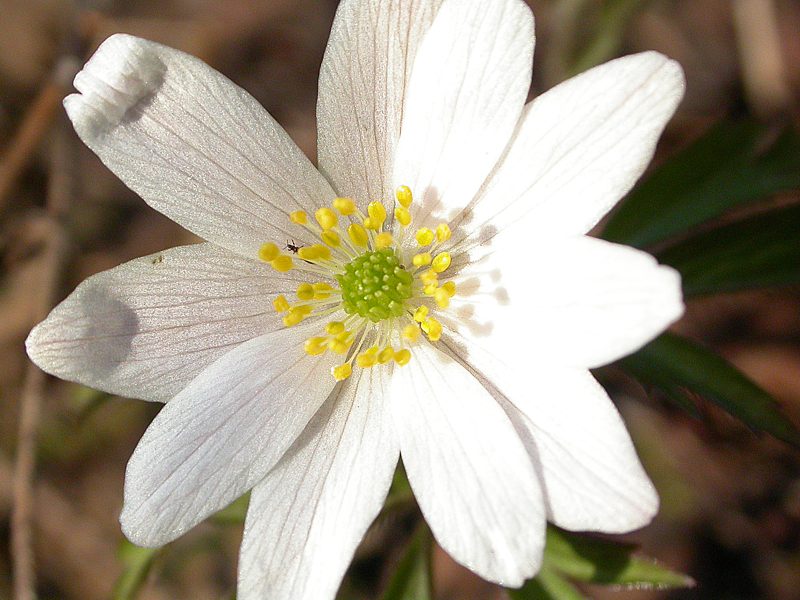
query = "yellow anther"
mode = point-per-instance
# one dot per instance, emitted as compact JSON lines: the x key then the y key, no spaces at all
{"x":402,"y":357}
{"x":342,"y":372}
{"x":429,"y":276}
{"x":441,"y":262}
{"x":430,"y":289}
{"x":338,"y":347}
{"x":410,"y":333}
{"x":422,"y":259}
{"x":358,"y":235}
{"x":282,"y":263}
{"x":321,"y":291}
{"x":334,"y":327}
{"x":432,"y":328}
{"x":368,"y":224}
{"x":305,"y":291}
{"x":383,"y":240}
{"x":281,"y":304}
{"x":368,"y":358}
{"x":315,"y":346}
{"x":424,"y":236}
{"x":421,"y":313}
{"x":308,"y":253}
{"x":386,"y":355}
{"x":331,"y":238}
{"x":293,"y":318}
{"x":450,"y":288}
{"x":442,"y":297}
{"x":345,"y":337}
{"x":402,"y":215}
{"x":377,"y":214}
{"x":345,"y":206}
{"x":404,"y":196}
{"x":268,"y":252}
{"x":299,"y":216}
{"x":324,"y":252}
{"x":443,"y":232}
{"x":326,"y":218}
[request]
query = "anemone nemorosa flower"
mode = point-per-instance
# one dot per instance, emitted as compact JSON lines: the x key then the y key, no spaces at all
{"x":428,"y":292}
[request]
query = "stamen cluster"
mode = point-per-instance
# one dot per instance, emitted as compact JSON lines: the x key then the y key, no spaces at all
{"x":387,"y":299}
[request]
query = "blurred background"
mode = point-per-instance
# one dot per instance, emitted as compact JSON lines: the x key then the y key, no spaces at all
{"x":730,"y":513}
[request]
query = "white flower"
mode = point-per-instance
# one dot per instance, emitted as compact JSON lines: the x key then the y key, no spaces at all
{"x":499,"y":423}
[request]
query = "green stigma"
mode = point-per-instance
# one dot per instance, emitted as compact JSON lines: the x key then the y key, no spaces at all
{"x":375,"y":285}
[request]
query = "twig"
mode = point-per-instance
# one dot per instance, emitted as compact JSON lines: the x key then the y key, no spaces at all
{"x":58,"y":196}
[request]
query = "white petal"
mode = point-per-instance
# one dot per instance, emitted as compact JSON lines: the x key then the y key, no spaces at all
{"x":194,"y":145}
{"x":222,"y":433}
{"x":467,"y":90}
{"x":471,"y":475}
{"x":591,"y":478}
{"x":307,"y":517}
{"x":148,"y":327}
{"x":579,"y":148}
{"x":579,"y":302}
{"x":361,"y":87}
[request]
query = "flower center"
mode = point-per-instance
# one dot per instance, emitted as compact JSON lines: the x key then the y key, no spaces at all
{"x":375,"y":285}
{"x":387,"y":297}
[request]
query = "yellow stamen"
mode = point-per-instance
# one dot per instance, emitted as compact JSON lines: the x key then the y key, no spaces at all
{"x":386,"y":355}
{"x":331,"y":238}
{"x":308,"y":253}
{"x":402,"y":215}
{"x":422,"y":259}
{"x":326,"y":218}
{"x":377,"y":214}
{"x":410,"y":333}
{"x":402,"y":357}
{"x":432,"y":328}
{"x":443,"y":232}
{"x":383,"y":240}
{"x":268,"y":252}
{"x":424,"y":236}
{"x":345,"y":206}
{"x":282,"y":263}
{"x":358,"y":235}
{"x":430,"y":289}
{"x":441,"y":262}
{"x":421,"y":313}
{"x":334,"y":327}
{"x":428,"y":277}
{"x":315,"y":346}
{"x":321,"y":290}
{"x":368,"y":358}
{"x":305,"y":291}
{"x":299,"y":217}
{"x":324,"y":252}
{"x":342,"y":372}
{"x":404,"y":196}
{"x":450,"y":288}
{"x":281,"y":304}
{"x":442,"y":297}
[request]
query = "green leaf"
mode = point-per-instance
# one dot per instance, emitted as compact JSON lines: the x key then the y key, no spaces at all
{"x":677,"y":366}
{"x":594,"y":560}
{"x":733,"y":164}
{"x":137,"y":563}
{"x":761,"y":251}
{"x":412,"y":579}
{"x":547,"y":585}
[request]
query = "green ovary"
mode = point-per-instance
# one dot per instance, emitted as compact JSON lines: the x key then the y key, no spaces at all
{"x":375,"y":285}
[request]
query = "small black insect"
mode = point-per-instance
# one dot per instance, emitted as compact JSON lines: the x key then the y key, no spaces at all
{"x":292,"y":247}
{"x":157,"y":259}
